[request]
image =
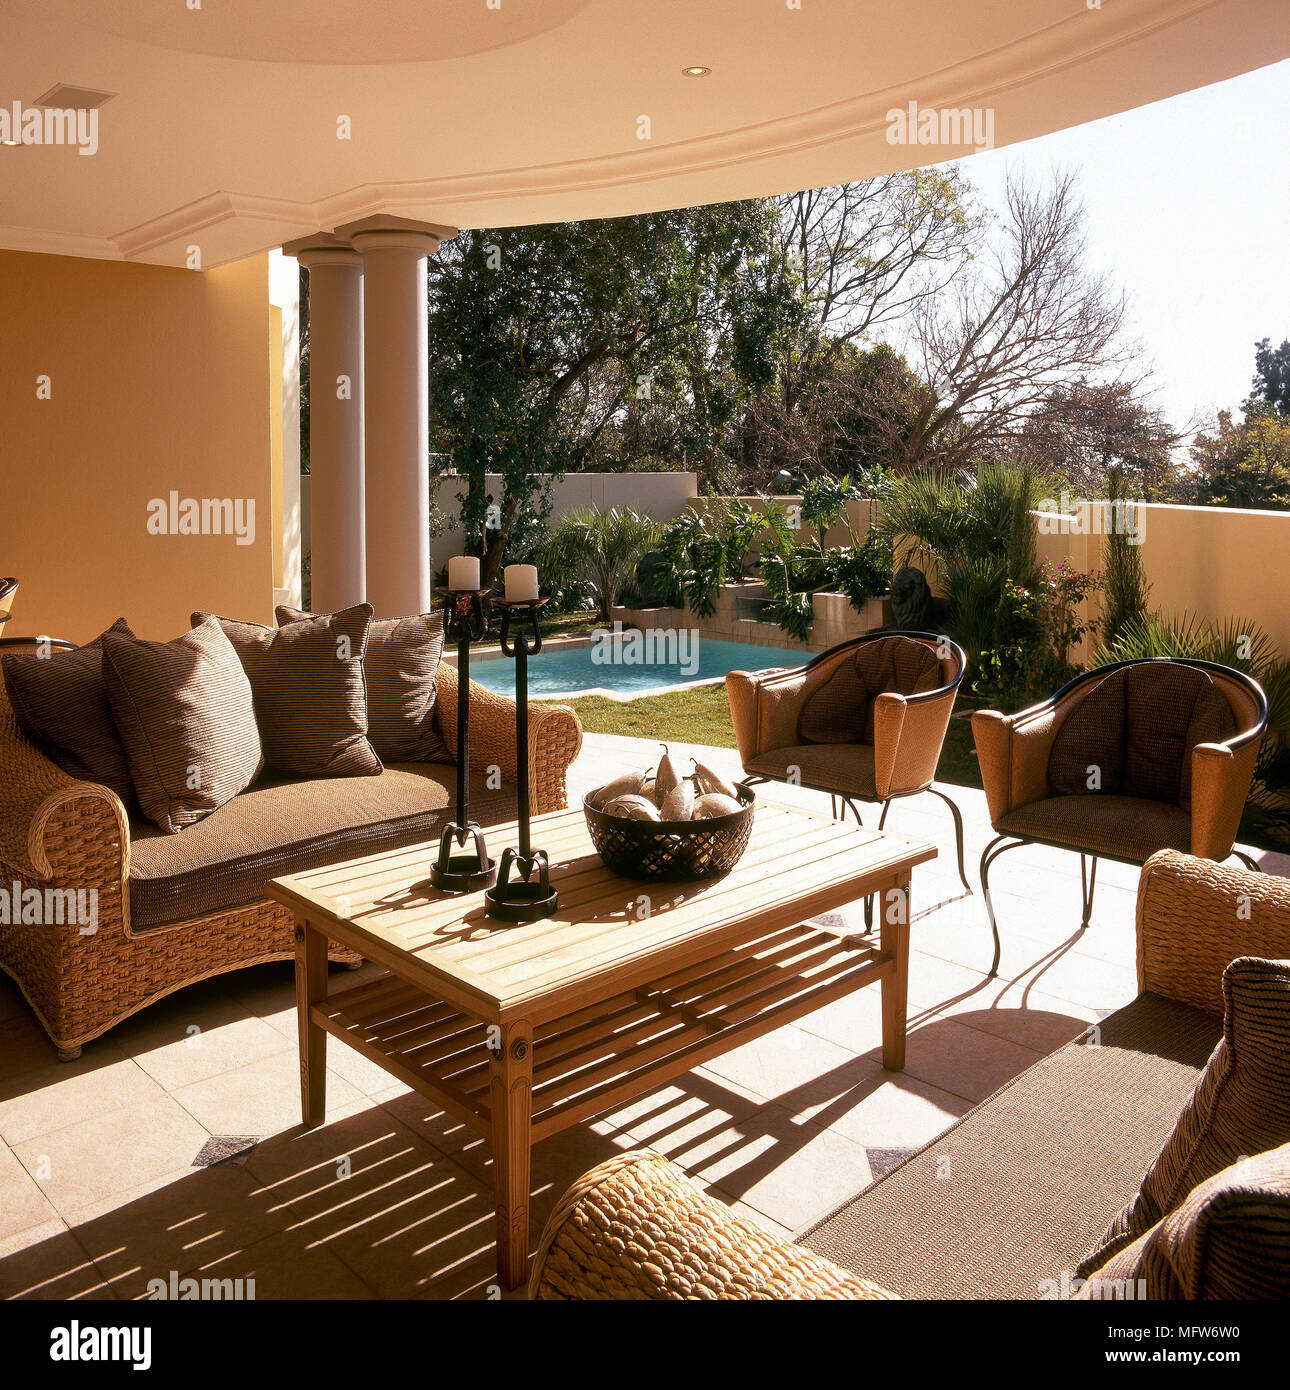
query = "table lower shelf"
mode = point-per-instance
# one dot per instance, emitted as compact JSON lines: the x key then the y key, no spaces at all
{"x":610,"y":1051}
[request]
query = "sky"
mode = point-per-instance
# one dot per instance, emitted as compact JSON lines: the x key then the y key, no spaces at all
{"x":1188,"y":204}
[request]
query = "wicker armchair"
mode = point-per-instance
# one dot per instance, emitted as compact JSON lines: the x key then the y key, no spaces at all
{"x":866,"y":720}
{"x":635,"y":1227}
{"x":63,"y":834}
{"x":1122,"y":761}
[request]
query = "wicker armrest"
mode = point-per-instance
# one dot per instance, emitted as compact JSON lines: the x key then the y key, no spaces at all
{"x":50,"y":823}
{"x":555,"y":735}
{"x":1195,"y":917}
{"x":635,"y":1227}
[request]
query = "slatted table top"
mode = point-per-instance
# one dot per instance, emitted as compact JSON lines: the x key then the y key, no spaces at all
{"x":609,"y":933}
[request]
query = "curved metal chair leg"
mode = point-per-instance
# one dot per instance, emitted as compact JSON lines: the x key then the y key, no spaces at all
{"x":958,"y":834}
{"x":1087,"y":886}
{"x":882,"y":819}
{"x":1247,"y":861}
{"x":992,"y":851}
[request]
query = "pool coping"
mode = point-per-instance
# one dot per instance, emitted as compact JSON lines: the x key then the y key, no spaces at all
{"x":490,"y":656}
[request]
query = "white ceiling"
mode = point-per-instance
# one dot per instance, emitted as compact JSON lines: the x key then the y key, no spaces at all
{"x":223,"y":130}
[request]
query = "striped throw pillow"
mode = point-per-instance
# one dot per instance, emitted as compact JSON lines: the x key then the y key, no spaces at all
{"x":186,"y":720}
{"x":1229,"y":1238}
{"x":310,"y":696}
{"x":400,"y":664}
{"x":61,"y":705}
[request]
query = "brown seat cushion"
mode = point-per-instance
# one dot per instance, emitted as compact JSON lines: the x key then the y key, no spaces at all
{"x":843,"y":767}
{"x":1137,"y":729}
{"x":61,"y":705}
{"x":310,"y":696}
{"x":1125,"y":827}
{"x":279,"y":827}
{"x":1032,"y":1171}
{"x":186,"y":719}
{"x":841,"y":709}
{"x":1228,"y":1238}
{"x":1241,"y":1105}
{"x":400,"y":663}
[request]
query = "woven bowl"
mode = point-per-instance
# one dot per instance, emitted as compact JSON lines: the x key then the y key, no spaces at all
{"x":671,"y":850}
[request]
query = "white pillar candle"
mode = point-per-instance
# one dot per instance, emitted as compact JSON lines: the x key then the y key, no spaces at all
{"x":463,"y":574}
{"x":521,"y":583}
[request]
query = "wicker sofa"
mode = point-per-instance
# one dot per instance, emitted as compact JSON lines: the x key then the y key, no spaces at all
{"x":174,"y":909}
{"x":1003,"y":1205}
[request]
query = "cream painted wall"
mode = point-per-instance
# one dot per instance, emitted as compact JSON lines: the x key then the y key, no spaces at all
{"x":1216,"y":562}
{"x":158,"y":379}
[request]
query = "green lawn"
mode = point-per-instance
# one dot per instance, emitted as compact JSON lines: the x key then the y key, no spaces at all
{"x":700,"y":715}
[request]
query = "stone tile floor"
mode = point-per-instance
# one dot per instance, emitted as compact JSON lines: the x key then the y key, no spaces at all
{"x":174,"y":1146}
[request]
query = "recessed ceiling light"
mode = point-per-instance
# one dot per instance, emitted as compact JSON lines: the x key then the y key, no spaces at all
{"x":696,"y":72}
{"x":64,"y":97}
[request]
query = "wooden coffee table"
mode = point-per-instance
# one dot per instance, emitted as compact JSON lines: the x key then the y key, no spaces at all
{"x":523,"y":1030}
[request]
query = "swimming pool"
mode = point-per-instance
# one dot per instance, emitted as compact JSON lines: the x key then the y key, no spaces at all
{"x":627,"y":665}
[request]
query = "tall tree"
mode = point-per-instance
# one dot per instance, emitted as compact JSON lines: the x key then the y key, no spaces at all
{"x":1086,"y":429}
{"x":1027,"y":317}
{"x":863,"y":255}
{"x":541,"y":336}
{"x":1271,"y":379}
{"x":1245,"y":465}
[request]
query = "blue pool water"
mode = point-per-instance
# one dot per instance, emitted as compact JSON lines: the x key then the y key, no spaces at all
{"x":629,"y":665}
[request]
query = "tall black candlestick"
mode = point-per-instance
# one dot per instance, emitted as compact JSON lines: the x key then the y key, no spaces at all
{"x":462,"y":873}
{"x":522,"y":900}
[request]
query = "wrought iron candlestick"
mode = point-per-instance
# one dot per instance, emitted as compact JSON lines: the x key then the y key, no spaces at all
{"x":461,"y":873}
{"x":522,"y":900}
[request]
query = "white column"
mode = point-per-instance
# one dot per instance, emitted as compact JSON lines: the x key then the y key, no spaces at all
{"x":336,"y":506}
{"x":396,"y":412}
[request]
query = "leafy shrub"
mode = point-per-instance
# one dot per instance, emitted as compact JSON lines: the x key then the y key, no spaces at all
{"x":592,"y":551}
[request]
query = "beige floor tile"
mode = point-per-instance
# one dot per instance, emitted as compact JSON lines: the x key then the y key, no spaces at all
{"x":964,"y":1061}
{"x":1017,"y":1011}
{"x":393,"y":1208}
{"x":430,"y":1229}
{"x":299,"y":1164}
{"x":780,"y":1063}
{"x":877,"y":1108}
{"x":283,"y":1268}
{"x":790,"y":1170}
{"x":22,"y":1203}
{"x":47,"y":1262}
{"x":260,"y":1098}
{"x":195,"y":1218}
{"x":52,"y":1100}
{"x":366,"y":1076}
{"x":185,"y":1048}
{"x":28,"y":1060}
{"x":90,"y":1161}
{"x":423,"y":1117}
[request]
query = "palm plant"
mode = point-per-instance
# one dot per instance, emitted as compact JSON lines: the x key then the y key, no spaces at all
{"x":1244,"y":646}
{"x":602,"y":546}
